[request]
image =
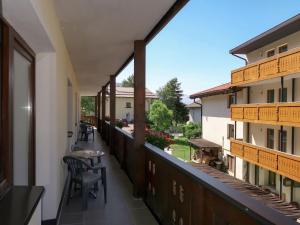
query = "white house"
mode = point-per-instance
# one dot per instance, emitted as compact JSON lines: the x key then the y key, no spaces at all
{"x":194,"y":112}
{"x":217,"y":126}
{"x":271,"y":109}
{"x":125,"y":101}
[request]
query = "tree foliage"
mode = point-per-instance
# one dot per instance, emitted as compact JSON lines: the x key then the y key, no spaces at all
{"x":87,"y":105}
{"x":160,"y":116}
{"x":192,"y":130}
{"x":128,"y":82}
{"x":171,"y":95}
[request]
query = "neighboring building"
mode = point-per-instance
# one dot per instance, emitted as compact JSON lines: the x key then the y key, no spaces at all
{"x":194,"y":112}
{"x":217,"y":126}
{"x":271,"y":109}
{"x":125,"y":101}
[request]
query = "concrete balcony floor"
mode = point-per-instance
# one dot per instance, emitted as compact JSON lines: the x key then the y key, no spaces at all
{"x":121,"y":207}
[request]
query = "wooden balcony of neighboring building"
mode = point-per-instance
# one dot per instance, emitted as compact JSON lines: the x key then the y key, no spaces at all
{"x":279,"y":65}
{"x":285,"y":114}
{"x":280,"y":162}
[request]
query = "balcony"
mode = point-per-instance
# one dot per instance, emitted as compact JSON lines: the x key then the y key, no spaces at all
{"x":282,"y":163}
{"x":279,"y":65}
{"x":178,"y":193}
{"x":285,"y":114}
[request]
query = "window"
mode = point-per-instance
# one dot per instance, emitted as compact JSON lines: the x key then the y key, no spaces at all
{"x":230,"y":131}
{"x":128,"y":105}
{"x":283,"y":48}
{"x":270,"y":53}
{"x":284,"y":95}
{"x":231,"y":100}
{"x":230,"y":162}
{"x":17,"y":155}
{"x":272,"y":179}
{"x":282,"y":146}
{"x":270,"y":138}
{"x":270,"y":96}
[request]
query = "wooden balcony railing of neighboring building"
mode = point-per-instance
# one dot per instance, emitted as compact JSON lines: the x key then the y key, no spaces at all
{"x":89,"y":119}
{"x":279,"y":65}
{"x":178,"y":193}
{"x":280,"y":162}
{"x":285,"y":114}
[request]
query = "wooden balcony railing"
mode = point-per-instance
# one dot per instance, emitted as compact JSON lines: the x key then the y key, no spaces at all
{"x":280,"y":162}
{"x":286,"y":114}
{"x":279,"y":65}
{"x":177,"y":193}
{"x":89,"y":119}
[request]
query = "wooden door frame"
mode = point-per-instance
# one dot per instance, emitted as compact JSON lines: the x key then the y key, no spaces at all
{"x":13,"y":41}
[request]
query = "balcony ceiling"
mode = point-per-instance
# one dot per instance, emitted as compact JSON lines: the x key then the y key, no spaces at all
{"x":99,"y":34}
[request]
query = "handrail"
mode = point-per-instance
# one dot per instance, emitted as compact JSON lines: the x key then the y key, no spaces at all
{"x":281,"y":64}
{"x":286,"y":114}
{"x":255,"y":209}
{"x":277,"y":165}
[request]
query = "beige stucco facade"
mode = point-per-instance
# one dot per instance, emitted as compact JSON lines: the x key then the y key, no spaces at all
{"x":122,"y":109}
{"x":258,"y":132}
{"x":215,"y":121}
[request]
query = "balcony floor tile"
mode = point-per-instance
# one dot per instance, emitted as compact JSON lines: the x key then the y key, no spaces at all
{"x":121,"y":207}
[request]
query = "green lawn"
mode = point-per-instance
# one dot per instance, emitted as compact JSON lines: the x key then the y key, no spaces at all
{"x":181,"y":149}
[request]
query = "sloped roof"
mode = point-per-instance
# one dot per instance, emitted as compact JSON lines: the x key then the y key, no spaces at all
{"x":220,"y":89}
{"x":281,"y":30}
{"x":196,"y":104}
{"x":128,"y":92}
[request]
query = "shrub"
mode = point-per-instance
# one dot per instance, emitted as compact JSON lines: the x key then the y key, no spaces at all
{"x":177,"y":128}
{"x":160,"y":116}
{"x":119,"y":123}
{"x":159,"y":139}
{"x":181,"y":141}
{"x":192,"y":130}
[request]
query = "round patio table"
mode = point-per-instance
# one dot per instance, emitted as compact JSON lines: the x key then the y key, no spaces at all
{"x":89,"y":155}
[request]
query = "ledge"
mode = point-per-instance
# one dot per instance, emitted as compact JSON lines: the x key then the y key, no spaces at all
{"x":19,"y":204}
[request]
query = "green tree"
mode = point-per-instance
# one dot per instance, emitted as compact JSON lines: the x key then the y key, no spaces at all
{"x":87,"y":105}
{"x":128,"y":82}
{"x":160,"y":116}
{"x":171,"y":95}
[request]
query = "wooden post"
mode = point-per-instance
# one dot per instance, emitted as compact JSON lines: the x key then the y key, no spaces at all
{"x":98,"y":112}
{"x":139,"y":118}
{"x":112,"y":111}
{"x":103,"y":110}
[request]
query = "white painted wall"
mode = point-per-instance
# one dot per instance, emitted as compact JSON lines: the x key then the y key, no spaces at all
{"x":40,"y":28}
{"x":122,"y":111}
{"x":37,"y":216}
{"x":215,"y":118}
{"x":194,"y":115}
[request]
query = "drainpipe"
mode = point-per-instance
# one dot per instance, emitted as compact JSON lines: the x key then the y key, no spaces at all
{"x":240,"y":57}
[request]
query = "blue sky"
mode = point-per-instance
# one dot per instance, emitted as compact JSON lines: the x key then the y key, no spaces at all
{"x":194,"y":46}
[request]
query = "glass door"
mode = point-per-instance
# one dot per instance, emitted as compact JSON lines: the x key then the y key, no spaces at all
{"x":22,"y":118}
